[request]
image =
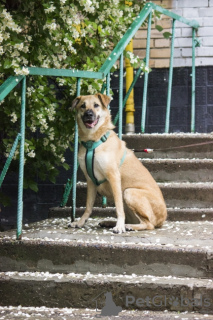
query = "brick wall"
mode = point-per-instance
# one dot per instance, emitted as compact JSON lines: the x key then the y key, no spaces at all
{"x":200,"y":10}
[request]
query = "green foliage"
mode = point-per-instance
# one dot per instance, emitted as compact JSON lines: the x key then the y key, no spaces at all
{"x":54,"y":34}
{"x":167,"y":35}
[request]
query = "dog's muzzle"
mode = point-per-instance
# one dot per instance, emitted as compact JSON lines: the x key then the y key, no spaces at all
{"x":89,"y":119}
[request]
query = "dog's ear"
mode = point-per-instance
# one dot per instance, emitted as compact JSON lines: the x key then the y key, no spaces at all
{"x":105,"y":100}
{"x":74,"y":103}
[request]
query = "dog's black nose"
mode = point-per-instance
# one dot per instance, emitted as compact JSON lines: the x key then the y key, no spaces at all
{"x":89,"y":113}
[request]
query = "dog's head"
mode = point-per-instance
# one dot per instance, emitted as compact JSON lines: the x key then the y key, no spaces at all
{"x":91,"y":110}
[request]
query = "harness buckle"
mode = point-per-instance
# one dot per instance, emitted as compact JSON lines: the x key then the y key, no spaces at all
{"x":89,"y":144}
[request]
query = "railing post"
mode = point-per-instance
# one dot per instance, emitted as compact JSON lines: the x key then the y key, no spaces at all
{"x":193,"y":83}
{"x":108,"y":84}
{"x":75,"y":160}
{"x":168,"y":108}
{"x":144,"y":104}
{"x":120,"y":121}
{"x":21,"y":162}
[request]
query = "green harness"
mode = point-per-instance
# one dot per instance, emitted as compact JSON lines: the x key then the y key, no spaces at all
{"x":90,"y":155}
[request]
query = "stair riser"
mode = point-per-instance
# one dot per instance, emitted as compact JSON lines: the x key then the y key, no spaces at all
{"x":173,"y":215}
{"x":81,"y":294}
{"x":167,"y":142}
{"x":186,"y":197}
{"x":102,"y":259}
{"x":176,"y":171}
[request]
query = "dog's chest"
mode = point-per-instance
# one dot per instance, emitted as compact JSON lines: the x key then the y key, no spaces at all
{"x":99,"y":163}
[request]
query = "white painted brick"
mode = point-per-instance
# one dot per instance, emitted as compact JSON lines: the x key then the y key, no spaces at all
{"x":210,"y":3}
{"x":186,"y":52}
{"x":182,"y":62}
{"x":200,"y":52}
{"x":183,"y":25}
{"x":178,"y":11}
{"x":204,"y":61}
{"x":177,"y":52}
{"x":207,"y":41}
{"x":192,"y":4}
{"x":204,"y":12}
{"x":207,"y":22}
{"x":205,"y":32}
{"x":187,"y":62}
{"x":186,"y":32}
{"x":204,"y":52}
{"x":191,"y":13}
{"x":183,"y":42}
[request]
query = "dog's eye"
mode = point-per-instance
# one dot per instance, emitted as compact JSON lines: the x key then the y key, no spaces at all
{"x":96,"y":105}
{"x":83,"y":106}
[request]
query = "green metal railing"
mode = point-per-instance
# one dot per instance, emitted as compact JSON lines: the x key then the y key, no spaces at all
{"x":103,"y":73}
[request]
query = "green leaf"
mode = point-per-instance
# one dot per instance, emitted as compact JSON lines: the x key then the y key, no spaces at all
{"x":7,"y":64}
{"x":66,"y":166}
{"x":33,"y":186}
{"x":167,"y":35}
{"x":159,"y":28}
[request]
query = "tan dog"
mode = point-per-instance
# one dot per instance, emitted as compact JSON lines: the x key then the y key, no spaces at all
{"x":121,"y":175}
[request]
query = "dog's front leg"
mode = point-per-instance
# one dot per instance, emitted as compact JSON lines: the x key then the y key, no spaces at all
{"x":115,"y":182}
{"x":91,"y":195}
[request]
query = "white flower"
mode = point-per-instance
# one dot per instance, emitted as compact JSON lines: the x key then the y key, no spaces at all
{"x":31,"y":154}
{"x":45,"y":142}
{"x":19,"y":46}
{"x":23,"y":71}
{"x":14,"y":117}
{"x":33,"y":128}
{"x":50,"y":9}
{"x":53,"y":147}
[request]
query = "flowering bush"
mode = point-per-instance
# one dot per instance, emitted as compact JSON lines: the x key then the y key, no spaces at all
{"x":54,"y":34}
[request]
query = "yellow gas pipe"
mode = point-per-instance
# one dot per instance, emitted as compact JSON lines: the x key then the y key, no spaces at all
{"x":130,"y":123}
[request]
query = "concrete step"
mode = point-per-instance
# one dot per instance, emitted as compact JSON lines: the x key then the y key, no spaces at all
{"x":77,"y":290}
{"x":44,"y":313}
{"x":174,"y":214}
{"x":176,"y":194}
{"x":54,"y":266}
{"x":186,"y":195}
{"x":164,"y":144}
{"x":179,"y":170}
{"x":181,"y":249}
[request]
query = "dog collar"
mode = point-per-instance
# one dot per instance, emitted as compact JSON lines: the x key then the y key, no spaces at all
{"x":90,"y":155}
{"x":91,"y":145}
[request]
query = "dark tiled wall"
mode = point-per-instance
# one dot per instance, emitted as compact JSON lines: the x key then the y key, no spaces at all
{"x":180,"y":116}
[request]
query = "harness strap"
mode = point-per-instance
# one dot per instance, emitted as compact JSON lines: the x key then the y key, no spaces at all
{"x":90,"y":154}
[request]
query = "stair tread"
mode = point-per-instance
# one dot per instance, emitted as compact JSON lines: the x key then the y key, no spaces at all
{"x":177,"y":160}
{"x":192,"y":235}
{"x":97,"y":277}
{"x":172,"y":183}
{"x":35,"y":313}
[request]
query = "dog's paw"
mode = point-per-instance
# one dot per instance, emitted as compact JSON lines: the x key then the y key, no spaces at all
{"x":76,"y":224}
{"x":119,"y":228}
{"x":129,"y":227}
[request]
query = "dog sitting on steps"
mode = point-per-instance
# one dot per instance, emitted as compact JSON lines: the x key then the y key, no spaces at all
{"x":112,"y":170}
